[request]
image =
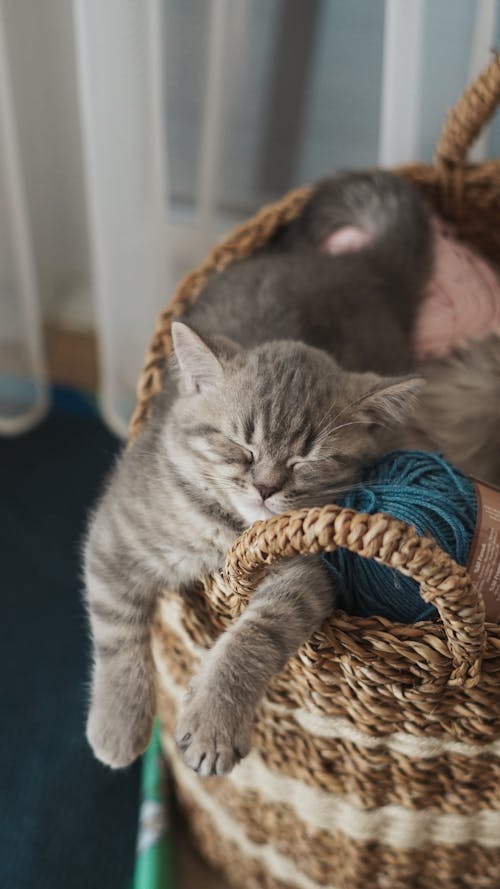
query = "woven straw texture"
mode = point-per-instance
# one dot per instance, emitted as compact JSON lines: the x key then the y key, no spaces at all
{"x":376,"y":759}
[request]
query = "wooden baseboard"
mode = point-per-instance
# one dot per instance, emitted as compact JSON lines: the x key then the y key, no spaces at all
{"x":71,"y":358}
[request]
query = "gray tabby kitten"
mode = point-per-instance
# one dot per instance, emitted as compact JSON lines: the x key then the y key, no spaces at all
{"x":284,"y":383}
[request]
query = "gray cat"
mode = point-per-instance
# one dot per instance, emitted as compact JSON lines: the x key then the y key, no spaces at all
{"x":286,"y":380}
{"x":459,"y":411}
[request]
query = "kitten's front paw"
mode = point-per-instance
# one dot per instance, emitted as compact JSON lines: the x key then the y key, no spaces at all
{"x":211,"y":735}
{"x":117,"y":742}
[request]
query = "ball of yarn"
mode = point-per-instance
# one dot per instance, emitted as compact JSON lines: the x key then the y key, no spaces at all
{"x":423,"y":490}
{"x":462,"y":299}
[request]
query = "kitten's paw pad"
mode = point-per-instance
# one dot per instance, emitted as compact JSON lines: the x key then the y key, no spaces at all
{"x":117,"y":745}
{"x":210,"y":742}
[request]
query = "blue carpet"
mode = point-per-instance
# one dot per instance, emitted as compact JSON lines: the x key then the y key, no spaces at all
{"x":66,"y":822}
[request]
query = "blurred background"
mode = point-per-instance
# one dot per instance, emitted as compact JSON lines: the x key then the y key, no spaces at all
{"x":133,"y":134}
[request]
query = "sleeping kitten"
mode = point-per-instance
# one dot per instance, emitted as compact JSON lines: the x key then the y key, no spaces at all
{"x":284,"y":383}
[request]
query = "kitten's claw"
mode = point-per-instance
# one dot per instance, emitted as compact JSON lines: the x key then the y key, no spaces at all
{"x":211,"y":740}
{"x":202,"y":760}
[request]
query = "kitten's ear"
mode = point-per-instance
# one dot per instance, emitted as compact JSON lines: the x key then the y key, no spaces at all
{"x":200,"y":368}
{"x":391,"y":400}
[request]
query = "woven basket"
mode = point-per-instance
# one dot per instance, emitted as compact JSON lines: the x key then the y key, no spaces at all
{"x":376,"y":759}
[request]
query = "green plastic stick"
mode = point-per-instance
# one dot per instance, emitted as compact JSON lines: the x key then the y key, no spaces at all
{"x":154,"y":861}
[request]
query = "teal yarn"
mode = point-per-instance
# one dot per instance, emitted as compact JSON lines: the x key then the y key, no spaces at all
{"x":425,"y":491}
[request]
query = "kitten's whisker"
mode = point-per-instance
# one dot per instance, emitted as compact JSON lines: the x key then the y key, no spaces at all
{"x":351,"y":423}
{"x":351,"y":405}
{"x":331,"y":432}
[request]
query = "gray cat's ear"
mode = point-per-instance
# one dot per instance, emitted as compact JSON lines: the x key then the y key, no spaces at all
{"x":391,"y":400}
{"x":200,"y":368}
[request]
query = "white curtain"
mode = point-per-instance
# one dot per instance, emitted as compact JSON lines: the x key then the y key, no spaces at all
{"x":134,"y":132}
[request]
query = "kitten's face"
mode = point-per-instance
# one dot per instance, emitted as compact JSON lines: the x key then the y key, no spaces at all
{"x":278,"y":427}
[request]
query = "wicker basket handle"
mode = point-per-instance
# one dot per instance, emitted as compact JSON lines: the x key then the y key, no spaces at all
{"x":390,"y":541}
{"x":468,"y":117}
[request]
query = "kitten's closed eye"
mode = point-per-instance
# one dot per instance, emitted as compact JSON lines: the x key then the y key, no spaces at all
{"x":324,"y":460}
{"x":230,"y":450}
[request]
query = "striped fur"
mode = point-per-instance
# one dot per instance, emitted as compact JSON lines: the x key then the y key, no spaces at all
{"x":276,"y":402}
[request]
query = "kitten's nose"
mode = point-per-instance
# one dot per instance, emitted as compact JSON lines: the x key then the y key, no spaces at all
{"x":266,"y":491}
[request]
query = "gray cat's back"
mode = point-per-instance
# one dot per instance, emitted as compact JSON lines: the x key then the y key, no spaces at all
{"x":333,"y":303}
{"x":359,"y":307}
